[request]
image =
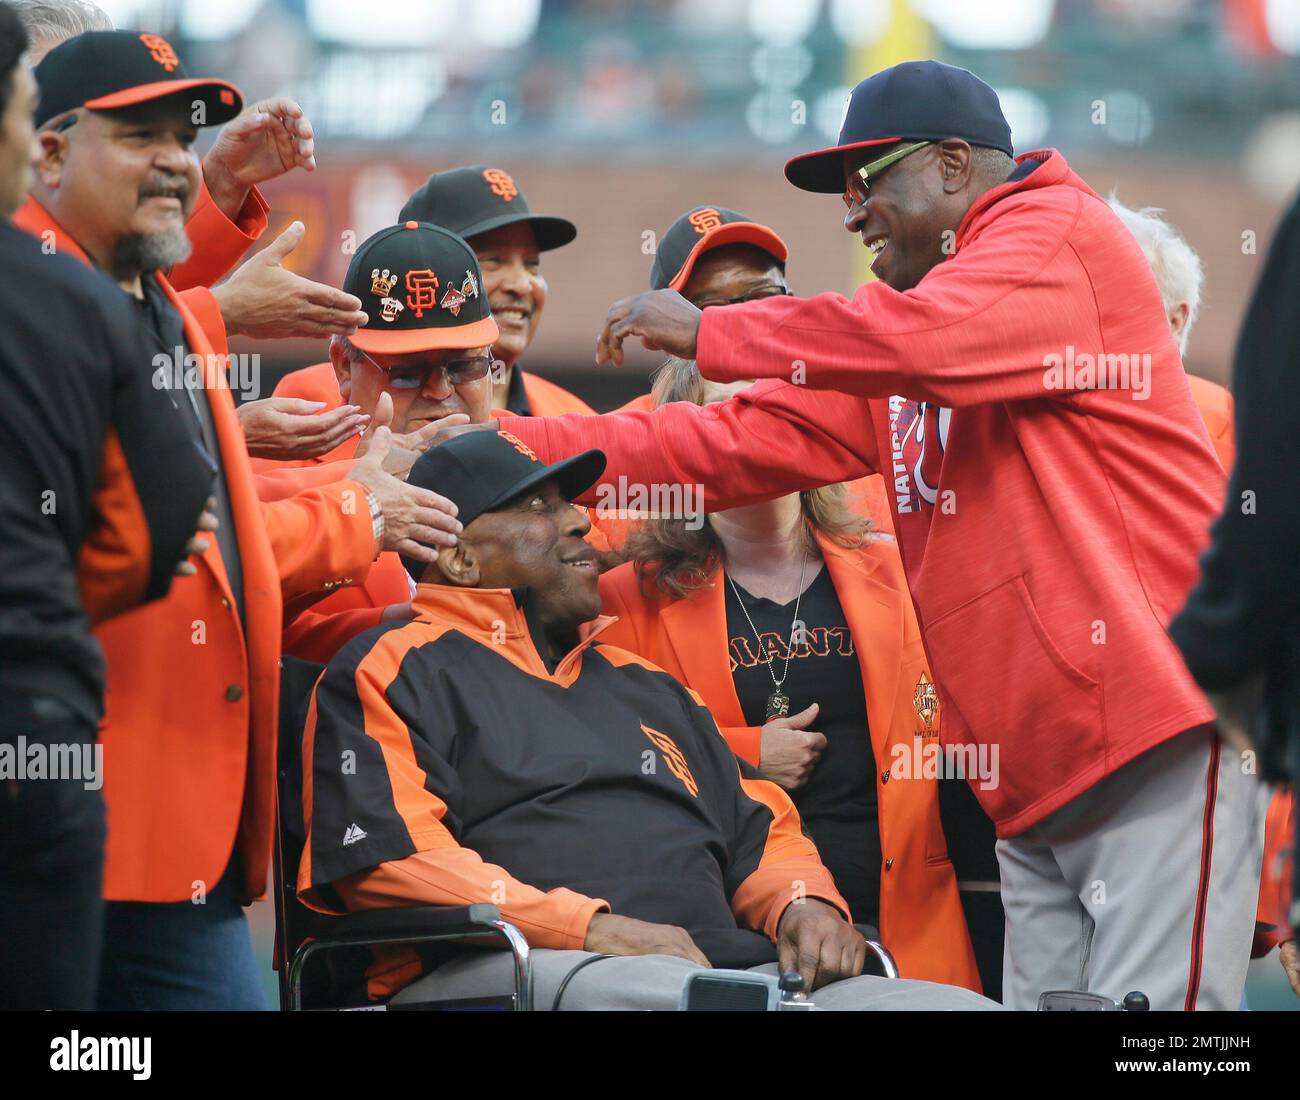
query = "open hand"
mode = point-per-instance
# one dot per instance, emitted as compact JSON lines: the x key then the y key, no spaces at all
{"x":416,"y":521}
{"x":288,"y":429}
{"x":265,"y":140}
{"x":264,"y":299}
{"x":610,"y":934}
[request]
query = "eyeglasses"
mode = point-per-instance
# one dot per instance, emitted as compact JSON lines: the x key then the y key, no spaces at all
{"x":415,"y":375}
{"x":767,"y":290}
{"x":859,"y":182}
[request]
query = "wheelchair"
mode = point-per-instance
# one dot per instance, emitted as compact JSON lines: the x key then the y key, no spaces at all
{"x":341,"y":944}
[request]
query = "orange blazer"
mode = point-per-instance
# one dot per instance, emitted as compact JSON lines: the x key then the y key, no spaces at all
{"x":921,"y":919}
{"x":1214,"y":403}
{"x":192,"y":695}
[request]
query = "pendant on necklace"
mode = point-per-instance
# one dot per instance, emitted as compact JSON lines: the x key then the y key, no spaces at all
{"x":778,"y":705}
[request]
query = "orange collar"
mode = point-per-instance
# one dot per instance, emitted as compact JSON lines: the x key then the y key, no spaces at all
{"x":498,"y":617}
{"x":40,"y":223}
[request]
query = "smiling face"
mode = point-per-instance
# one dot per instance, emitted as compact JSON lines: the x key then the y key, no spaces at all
{"x":909,"y":208}
{"x":731,"y":271}
{"x":419,"y":395}
{"x":514,"y":285}
{"x":125,"y":177}
{"x":534,"y":541}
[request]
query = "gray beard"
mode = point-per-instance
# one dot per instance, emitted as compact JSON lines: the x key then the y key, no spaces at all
{"x":137,"y":253}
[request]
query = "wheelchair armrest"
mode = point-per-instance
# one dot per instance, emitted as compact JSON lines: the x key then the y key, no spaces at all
{"x":368,"y":925}
{"x":880,"y":961}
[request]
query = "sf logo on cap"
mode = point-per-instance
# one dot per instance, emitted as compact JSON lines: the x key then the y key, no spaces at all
{"x":501,"y":183}
{"x":161,"y":51}
{"x":421,"y":290}
{"x":704,"y":220}
{"x":519,"y":445}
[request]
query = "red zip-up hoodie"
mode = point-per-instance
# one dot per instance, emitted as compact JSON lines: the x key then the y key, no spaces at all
{"x":1049,"y":526}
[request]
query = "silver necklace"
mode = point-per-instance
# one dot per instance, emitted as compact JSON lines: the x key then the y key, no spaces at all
{"x":778,"y":704}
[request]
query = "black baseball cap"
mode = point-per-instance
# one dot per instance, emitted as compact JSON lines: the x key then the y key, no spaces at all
{"x":701,"y":229}
{"x":475,"y":200}
{"x":481,"y":471}
{"x":105,"y":70}
{"x":912,"y":101}
{"x":421,"y":287}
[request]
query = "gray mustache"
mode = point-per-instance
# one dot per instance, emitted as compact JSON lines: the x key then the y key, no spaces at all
{"x":159,"y":189}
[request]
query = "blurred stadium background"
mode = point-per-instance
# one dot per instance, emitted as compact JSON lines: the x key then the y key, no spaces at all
{"x":620,"y":115}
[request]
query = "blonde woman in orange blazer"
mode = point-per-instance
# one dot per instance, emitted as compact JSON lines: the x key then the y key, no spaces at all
{"x":697,"y":605}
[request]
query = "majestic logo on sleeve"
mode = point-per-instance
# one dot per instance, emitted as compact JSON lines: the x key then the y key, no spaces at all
{"x":673,"y":758}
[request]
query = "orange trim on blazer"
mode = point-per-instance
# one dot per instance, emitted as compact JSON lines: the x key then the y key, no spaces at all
{"x":192,"y":694}
{"x":921,"y":919}
{"x":1214,"y":403}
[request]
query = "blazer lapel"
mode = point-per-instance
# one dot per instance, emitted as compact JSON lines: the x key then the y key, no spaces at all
{"x":696,"y":629}
{"x":873,"y":608}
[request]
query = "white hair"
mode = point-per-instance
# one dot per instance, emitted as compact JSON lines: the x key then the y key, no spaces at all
{"x":1173,"y":261}
{"x":50,"y":23}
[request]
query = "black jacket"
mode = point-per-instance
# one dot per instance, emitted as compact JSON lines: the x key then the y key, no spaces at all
{"x":100,"y":482}
{"x":1243,"y":618}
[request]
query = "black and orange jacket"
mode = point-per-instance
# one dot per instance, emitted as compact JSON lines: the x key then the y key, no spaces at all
{"x":446,"y":761}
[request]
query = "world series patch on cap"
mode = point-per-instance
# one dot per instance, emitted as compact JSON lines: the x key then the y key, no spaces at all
{"x":475,"y":200}
{"x":699,"y":230}
{"x":108,"y":70}
{"x":421,"y":287}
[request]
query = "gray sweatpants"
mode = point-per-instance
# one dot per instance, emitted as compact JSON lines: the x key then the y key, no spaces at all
{"x":1148,"y":881}
{"x":647,"y":982}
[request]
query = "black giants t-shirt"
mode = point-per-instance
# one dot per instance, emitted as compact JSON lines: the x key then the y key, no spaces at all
{"x":838,"y":803}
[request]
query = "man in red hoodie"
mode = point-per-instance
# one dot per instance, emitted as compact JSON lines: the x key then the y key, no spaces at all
{"x":1012,"y":374}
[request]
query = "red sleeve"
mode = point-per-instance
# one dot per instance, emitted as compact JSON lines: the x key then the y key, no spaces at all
{"x":768,"y":440}
{"x":981,"y":327}
{"x":218,"y":243}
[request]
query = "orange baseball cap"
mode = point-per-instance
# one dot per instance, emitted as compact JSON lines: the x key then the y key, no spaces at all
{"x":701,"y":229}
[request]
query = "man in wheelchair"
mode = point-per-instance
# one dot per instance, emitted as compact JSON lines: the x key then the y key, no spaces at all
{"x":492,"y":750}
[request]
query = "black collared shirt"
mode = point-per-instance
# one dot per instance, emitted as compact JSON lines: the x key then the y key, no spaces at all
{"x":166,"y":331}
